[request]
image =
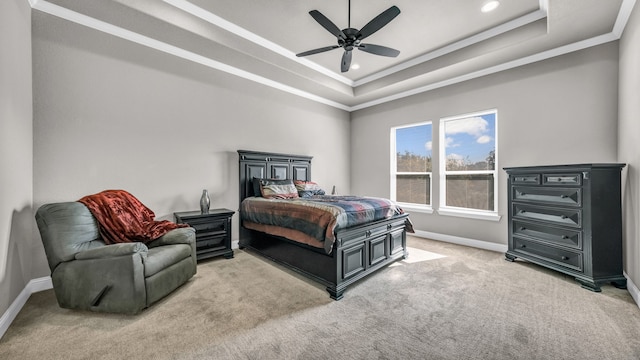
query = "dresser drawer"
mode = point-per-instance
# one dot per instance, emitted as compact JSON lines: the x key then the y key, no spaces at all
{"x":560,"y":196}
{"x":560,"y":236}
{"x":562,"y":179}
{"x":559,"y":216}
{"x":528,"y":179}
{"x":566,"y":258}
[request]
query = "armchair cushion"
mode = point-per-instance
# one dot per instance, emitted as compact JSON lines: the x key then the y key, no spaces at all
{"x":114,"y":250}
{"x":161,"y":257}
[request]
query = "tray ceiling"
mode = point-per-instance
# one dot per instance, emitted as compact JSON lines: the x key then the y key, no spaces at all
{"x":441,"y":42}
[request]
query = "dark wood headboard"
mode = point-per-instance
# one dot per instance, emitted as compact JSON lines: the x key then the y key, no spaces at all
{"x":256,"y":164}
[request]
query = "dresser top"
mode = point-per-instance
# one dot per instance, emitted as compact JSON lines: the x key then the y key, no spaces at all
{"x":567,"y":167}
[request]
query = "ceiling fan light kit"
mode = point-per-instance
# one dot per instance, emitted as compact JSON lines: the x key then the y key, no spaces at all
{"x":490,"y":6}
{"x":351,"y":38}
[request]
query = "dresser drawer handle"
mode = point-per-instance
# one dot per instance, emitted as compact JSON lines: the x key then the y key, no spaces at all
{"x":522,"y":228}
{"x":563,"y":216}
{"x":389,"y":227}
{"x":563,"y":196}
{"x":523,"y":193}
{"x":523,"y":246}
{"x":565,"y":237}
{"x":565,"y":258}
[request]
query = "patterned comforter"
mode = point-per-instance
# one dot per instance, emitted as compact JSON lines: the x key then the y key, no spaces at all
{"x":313,"y":220}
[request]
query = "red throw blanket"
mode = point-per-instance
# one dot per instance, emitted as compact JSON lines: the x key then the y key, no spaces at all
{"x":123,"y":218}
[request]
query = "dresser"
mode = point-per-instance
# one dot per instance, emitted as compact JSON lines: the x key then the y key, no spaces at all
{"x":568,"y":218}
{"x":213,"y":231}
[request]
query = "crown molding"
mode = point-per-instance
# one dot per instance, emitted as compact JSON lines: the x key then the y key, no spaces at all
{"x":472,"y":40}
{"x":214,"y":19}
{"x":64,"y":13}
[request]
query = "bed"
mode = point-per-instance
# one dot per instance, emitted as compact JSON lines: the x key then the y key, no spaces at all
{"x":353,"y":247}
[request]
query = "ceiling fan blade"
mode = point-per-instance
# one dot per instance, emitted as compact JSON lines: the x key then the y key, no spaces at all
{"x":346,"y":61}
{"x":316,"y":51}
{"x":327,"y":24}
{"x":379,"y":50}
{"x":378,"y":22}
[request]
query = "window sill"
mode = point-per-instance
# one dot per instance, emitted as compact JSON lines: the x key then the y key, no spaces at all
{"x":480,"y":215}
{"x":413,"y":208}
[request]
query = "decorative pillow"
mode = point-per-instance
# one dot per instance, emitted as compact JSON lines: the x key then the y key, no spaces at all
{"x":256,"y":187}
{"x":308,"y":188}
{"x":278,"y":189}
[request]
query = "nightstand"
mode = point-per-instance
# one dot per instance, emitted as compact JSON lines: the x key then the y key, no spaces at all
{"x":213,"y":231}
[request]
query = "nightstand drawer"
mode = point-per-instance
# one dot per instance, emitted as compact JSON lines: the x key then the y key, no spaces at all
{"x":210,"y":242}
{"x":209,"y":227}
{"x":559,"y":216}
{"x":559,"y":196}
{"x":559,"y":236}
{"x":566,"y":258}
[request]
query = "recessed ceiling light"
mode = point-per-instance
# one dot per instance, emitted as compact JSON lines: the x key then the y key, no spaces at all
{"x":355,"y":66}
{"x":490,"y":6}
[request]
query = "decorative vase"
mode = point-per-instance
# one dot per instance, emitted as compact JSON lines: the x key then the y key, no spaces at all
{"x":205,"y":202}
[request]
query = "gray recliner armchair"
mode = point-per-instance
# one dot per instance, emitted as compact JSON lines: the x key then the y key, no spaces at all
{"x":118,"y":278}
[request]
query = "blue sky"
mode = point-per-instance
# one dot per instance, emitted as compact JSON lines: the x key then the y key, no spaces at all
{"x":472,"y":137}
{"x":415,"y":139}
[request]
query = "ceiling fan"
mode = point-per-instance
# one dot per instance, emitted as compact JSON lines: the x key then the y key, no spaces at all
{"x":351,"y":38}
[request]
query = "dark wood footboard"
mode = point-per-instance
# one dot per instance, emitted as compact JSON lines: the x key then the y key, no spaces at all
{"x":358,"y":252}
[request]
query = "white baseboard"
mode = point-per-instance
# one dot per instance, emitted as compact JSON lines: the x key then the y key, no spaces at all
{"x":462,"y":241}
{"x":632,"y":289}
{"x":35,"y":285}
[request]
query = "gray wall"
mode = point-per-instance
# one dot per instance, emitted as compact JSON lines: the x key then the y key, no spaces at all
{"x":629,"y":138}
{"x":16,"y":233}
{"x":562,"y":110}
{"x":110,"y":114}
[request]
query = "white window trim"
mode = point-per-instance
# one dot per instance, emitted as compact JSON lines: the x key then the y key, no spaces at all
{"x":445,"y":210}
{"x":424,"y":208}
{"x":469,"y":213}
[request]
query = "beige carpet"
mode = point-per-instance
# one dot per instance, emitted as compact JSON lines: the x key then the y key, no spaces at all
{"x":444,"y":302}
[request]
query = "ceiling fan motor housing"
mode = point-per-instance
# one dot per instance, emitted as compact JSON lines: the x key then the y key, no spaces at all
{"x":352,"y":39}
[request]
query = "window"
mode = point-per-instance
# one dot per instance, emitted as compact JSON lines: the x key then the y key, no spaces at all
{"x":411,"y":164}
{"x":468,"y":162}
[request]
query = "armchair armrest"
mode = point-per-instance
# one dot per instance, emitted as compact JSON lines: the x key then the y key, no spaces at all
{"x":113,"y":250}
{"x":186,"y":235}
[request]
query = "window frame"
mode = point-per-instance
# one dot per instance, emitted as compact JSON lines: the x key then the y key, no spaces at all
{"x":426,"y":208}
{"x":443,"y":208}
